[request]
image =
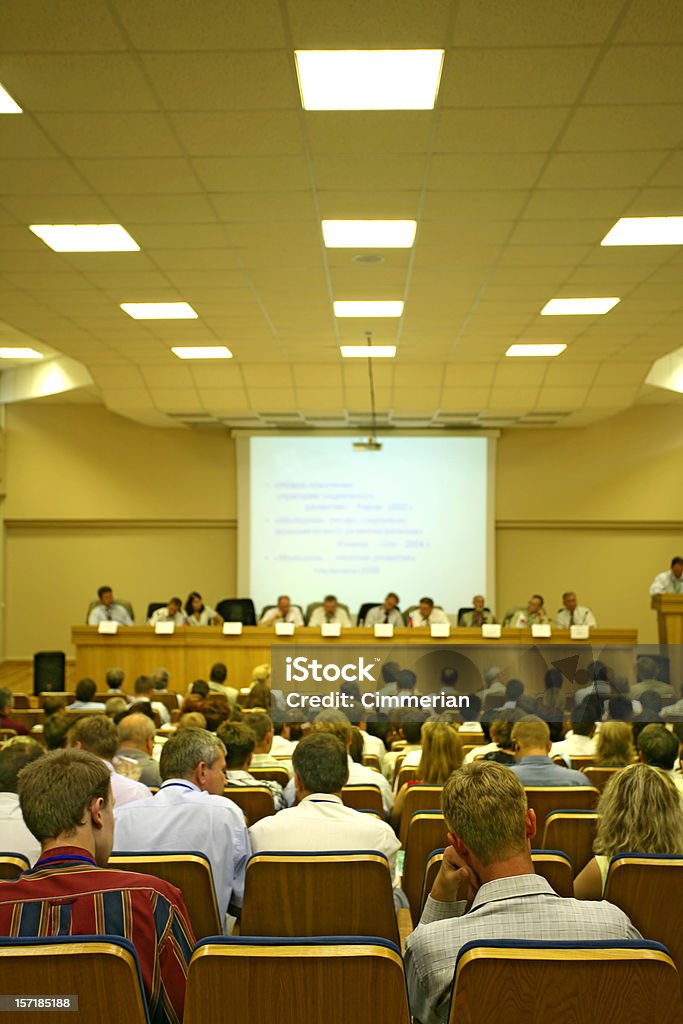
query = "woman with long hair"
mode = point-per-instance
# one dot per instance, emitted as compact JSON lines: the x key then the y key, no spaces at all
{"x":640,"y":812}
{"x":615,"y":747}
{"x":198,"y":613}
{"x":441,"y":755}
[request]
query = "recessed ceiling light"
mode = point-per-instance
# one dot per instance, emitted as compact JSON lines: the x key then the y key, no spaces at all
{"x":7,"y":104}
{"x":20,"y":353}
{"x":370,"y":309}
{"x":85,"y":237}
{"x":645,"y":231}
{"x":578,"y":307}
{"x":368,"y":79}
{"x":368,"y":351}
{"x":369,"y":234}
{"x":202,"y":352}
{"x":159,"y":310}
{"x":544,"y":351}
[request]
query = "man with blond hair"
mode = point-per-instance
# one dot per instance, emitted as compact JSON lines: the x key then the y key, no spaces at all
{"x":531,"y":737}
{"x":488,"y":864}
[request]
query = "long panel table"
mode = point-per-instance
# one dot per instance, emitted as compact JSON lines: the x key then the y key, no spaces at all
{"x":191,"y":651}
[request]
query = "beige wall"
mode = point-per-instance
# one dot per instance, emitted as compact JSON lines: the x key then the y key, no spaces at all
{"x":93,"y":498}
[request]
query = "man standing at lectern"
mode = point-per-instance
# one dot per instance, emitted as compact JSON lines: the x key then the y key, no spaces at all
{"x":671,"y":581}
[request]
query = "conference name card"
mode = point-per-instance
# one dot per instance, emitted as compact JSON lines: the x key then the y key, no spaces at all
{"x":331,"y":629}
{"x":284,"y":629}
{"x":108,"y":626}
{"x":579,"y":632}
{"x":440,"y":629}
{"x":491,"y":631}
{"x":232,"y":629}
{"x":384,"y":629}
{"x":164,"y":628}
{"x":540,"y":629}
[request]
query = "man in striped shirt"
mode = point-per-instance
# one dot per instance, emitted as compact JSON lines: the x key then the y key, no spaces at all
{"x":67,"y":804}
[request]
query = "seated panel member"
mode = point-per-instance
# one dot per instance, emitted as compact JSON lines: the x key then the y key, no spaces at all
{"x":108,"y":610}
{"x":329,"y":611}
{"x":535,"y":614}
{"x":479,"y":615}
{"x":387,"y":612}
{"x":199,"y":614}
{"x":67,"y":804}
{"x":573,"y":614}
{"x":427,"y":615}
{"x":284,"y":611}
{"x":490,"y":830}
{"x":173,"y":612}
{"x":190,"y":813}
{"x":670,"y":581}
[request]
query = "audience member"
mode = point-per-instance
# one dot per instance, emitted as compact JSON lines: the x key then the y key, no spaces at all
{"x":489,"y":863}
{"x":171,"y":612}
{"x":15,"y":837}
{"x":441,"y":754}
{"x":99,"y":736}
{"x":501,"y":736}
{"x":573,"y":614}
{"x":239,"y":742}
{"x":261,"y":725}
{"x":108,"y":610}
{"x":356,"y":745}
{"x":55,"y":728}
{"x":160,"y":678}
{"x":338,"y":724}
{"x":579,"y":741}
{"x":514,"y":689}
{"x":647,"y":673}
{"x":190,"y":813}
{"x":217,"y":682}
{"x":85,"y":691}
{"x":216,"y":710}
{"x":116,"y":706}
{"x":389,"y":672}
{"x":622,"y":687}
{"x":387,"y":612}
{"x":144,"y":692}
{"x":199,"y":614}
{"x":409,"y":722}
{"x":619,"y":709}
{"x":674,"y":711}
{"x":427,"y":614}
{"x":67,"y":804}
{"x":597,"y":683}
{"x":614,"y":748}
{"x":651,"y":704}
{"x":320,"y":821}
{"x":640,"y":812}
{"x":192,"y":720}
{"x":258,"y":696}
{"x":658,"y":747}
{"x":200,"y":688}
{"x":551,"y":702}
{"x":136,"y":738}
{"x":534,"y":767}
{"x":283,"y":611}
{"x":282,"y":744}
{"x":471,"y":715}
{"x":328,"y":612}
{"x":6,"y":721}
{"x":448,"y":680}
{"x":52,"y":703}
{"x":114,"y":678}
{"x":493,"y":684}
{"x":479,"y":615}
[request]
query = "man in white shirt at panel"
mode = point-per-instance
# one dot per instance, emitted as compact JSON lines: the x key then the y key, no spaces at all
{"x":573,"y":614}
{"x":108,"y":610}
{"x":190,"y":813}
{"x":172,"y":612}
{"x":329,"y":612}
{"x":426,"y":614}
{"x":98,"y":735}
{"x":671,"y":581}
{"x":387,"y":612}
{"x":320,"y":821}
{"x":16,"y":838}
{"x":284,"y":611}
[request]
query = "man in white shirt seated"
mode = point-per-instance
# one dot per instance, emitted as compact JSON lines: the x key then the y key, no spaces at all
{"x":282,"y":744}
{"x":320,"y":821}
{"x":190,"y":813}
{"x":98,"y":735}
{"x":284,"y":611}
{"x":427,"y":615}
{"x":172,"y":612}
{"x":489,"y":866}
{"x":85,"y":691}
{"x":671,"y":581}
{"x":239,"y":742}
{"x":329,"y":612}
{"x":647,"y":672}
{"x":14,"y":836}
{"x":218,"y":682}
{"x":144,"y":690}
{"x":573,"y":614}
{"x":580,"y":740}
{"x":108,"y":610}
{"x":387,"y":612}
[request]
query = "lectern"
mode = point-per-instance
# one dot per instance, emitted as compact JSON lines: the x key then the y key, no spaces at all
{"x":669,"y":608}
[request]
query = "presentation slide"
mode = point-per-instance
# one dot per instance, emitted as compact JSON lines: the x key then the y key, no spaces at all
{"x":411,"y":518}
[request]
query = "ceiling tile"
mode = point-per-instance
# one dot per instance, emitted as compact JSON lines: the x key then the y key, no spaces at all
{"x":499,"y":130}
{"x":39,"y":178}
{"x":470,"y":171}
{"x":388,"y":171}
{"x":638,"y":74}
{"x":71,"y":25}
{"x":239,"y":133}
{"x":260,"y":80}
{"x":76,"y":81}
{"x":369,"y":131}
{"x":651,"y":21}
{"x":247,"y":174}
{"x":599,"y":170}
{"x":105,"y":135}
{"x":515,"y":77}
{"x":178,"y":25}
{"x":161,"y":175}
{"x":624,"y":128}
{"x":534,"y":23}
{"x":354,"y":24}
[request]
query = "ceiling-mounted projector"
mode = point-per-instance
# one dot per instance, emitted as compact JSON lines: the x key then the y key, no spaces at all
{"x":371,"y":445}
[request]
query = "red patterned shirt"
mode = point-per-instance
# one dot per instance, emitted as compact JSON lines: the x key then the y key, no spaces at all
{"x":66,"y":893}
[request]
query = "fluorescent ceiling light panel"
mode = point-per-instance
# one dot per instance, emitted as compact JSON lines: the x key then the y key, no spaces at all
{"x":368,"y":351}
{"x":645,"y":231}
{"x":159,"y":310}
{"x":578,"y":307}
{"x":86,"y":237}
{"x":202,"y":352}
{"x":7,"y":104}
{"x":369,"y":309}
{"x":544,"y":351}
{"x":369,"y":234}
{"x":368,"y":79}
{"x":20,"y":353}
